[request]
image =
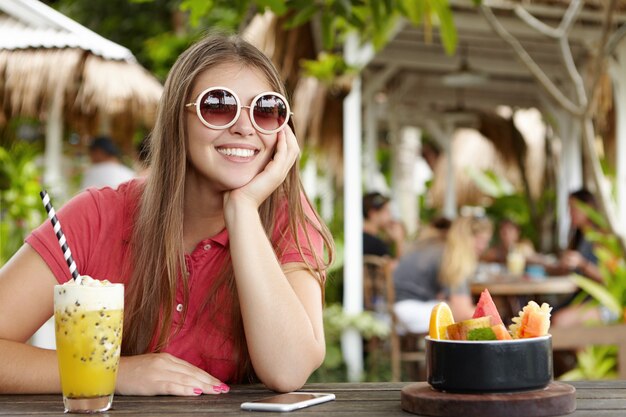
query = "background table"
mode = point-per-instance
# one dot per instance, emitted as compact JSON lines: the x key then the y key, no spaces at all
{"x":510,"y":294}
{"x":508,"y":286}
{"x":597,"y":399}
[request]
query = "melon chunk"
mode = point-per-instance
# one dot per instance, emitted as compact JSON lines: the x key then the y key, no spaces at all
{"x":460,"y":330}
{"x":532,"y":321}
{"x":486,"y":307}
{"x":501,"y":332}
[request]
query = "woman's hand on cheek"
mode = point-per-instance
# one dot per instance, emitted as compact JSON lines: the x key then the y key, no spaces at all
{"x":275,"y":172}
{"x":164,"y":374}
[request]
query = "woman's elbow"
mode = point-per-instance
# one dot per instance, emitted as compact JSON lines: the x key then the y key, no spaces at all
{"x":287,"y":380}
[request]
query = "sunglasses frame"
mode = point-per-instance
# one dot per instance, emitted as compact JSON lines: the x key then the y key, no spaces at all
{"x":197,"y":104}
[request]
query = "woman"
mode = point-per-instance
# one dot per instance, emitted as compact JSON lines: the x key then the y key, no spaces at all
{"x":219,"y":249}
{"x":437,"y":270}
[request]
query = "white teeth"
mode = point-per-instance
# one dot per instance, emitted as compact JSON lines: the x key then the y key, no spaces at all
{"x":243,"y":153}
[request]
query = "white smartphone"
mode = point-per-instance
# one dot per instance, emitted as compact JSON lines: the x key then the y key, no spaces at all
{"x":288,"y":402}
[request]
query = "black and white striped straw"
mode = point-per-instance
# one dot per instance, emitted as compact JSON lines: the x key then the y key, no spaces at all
{"x":56,"y":225}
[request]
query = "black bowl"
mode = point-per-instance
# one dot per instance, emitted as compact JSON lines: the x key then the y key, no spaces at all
{"x":489,"y":366}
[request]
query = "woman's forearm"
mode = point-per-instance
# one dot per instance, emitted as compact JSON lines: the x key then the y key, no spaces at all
{"x":26,"y":369}
{"x":282,"y":318}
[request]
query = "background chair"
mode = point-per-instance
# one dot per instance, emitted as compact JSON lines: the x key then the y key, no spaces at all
{"x":379,"y":297}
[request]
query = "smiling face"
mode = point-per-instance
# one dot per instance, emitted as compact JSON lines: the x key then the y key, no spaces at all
{"x":228,"y":158}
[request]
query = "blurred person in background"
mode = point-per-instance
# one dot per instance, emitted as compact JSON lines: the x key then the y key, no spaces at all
{"x":509,"y":239}
{"x":378,"y":222}
{"x":436,"y":230}
{"x":438,"y":270}
{"x":579,"y":258}
{"x":106,"y":170}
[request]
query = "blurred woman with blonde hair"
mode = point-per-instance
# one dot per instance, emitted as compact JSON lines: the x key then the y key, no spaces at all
{"x":438,"y":270}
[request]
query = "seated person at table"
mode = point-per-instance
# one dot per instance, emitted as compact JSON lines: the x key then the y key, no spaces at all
{"x":220,"y":251}
{"x":436,"y":229}
{"x":378,"y":220}
{"x":438,"y":270}
{"x":508,"y":240}
{"x":579,"y":257}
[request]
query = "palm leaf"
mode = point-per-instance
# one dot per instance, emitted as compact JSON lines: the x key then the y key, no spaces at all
{"x":600,"y":293}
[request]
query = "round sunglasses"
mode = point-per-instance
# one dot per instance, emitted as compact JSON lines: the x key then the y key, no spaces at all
{"x":220,"y":108}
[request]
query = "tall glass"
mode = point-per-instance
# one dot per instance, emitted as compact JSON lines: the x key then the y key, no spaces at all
{"x":88,"y":328}
{"x":515,"y":263}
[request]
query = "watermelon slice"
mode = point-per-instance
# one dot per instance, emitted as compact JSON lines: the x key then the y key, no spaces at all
{"x":486,"y":307}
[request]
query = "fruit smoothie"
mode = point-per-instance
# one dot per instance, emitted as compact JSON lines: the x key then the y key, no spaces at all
{"x":88,"y":328}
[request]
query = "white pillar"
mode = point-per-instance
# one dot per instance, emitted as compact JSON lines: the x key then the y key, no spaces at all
{"x":449,"y":204}
{"x":442,"y":132}
{"x":618,"y":72}
{"x":53,"y":178}
{"x":351,"y":342}
{"x":450,"y":200}
{"x":370,"y":164}
{"x":328,"y":197}
{"x":570,"y":172}
{"x":405,"y":154}
{"x":309,"y":178}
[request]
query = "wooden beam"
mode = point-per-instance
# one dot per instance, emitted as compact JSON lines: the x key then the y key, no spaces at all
{"x":439,"y":63}
{"x":583,"y":336}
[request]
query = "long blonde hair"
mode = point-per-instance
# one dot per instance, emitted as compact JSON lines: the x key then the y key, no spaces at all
{"x":157,"y":240}
{"x":459,"y":258}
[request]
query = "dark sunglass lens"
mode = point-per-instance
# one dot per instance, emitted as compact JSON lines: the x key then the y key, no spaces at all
{"x":270,"y":112}
{"x":218,"y":107}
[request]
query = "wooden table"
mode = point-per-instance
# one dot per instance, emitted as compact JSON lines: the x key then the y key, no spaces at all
{"x":597,"y":399}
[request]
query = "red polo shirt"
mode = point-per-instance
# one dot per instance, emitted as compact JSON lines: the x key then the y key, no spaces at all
{"x":98,"y":225}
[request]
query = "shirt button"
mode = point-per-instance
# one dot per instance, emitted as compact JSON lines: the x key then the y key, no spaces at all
{"x":179,"y":308}
{"x":207,"y":246}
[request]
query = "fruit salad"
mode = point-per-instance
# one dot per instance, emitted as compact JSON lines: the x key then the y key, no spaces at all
{"x":486,"y":323}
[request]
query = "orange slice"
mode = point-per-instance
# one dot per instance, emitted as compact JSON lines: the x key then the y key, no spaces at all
{"x":440,"y":318}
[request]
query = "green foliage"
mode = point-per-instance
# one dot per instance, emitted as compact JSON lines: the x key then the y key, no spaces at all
{"x":373,"y":20}
{"x":335,"y":322}
{"x":612,"y":292}
{"x":197,"y":9}
{"x":20,"y":207}
{"x":126,"y":23}
{"x":162,"y":50}
{"x":327,"y":67}
{"x":600,"y":362}
{"x":594,"y":362}
{"x":154,"y":31}
{"x":491,"y":183}
{"x":611,"y":263}
{"x":507,"y":202}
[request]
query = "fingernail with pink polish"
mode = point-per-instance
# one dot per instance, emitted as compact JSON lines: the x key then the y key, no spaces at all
{"x":197,"y":391}
{"x":224,"y":387}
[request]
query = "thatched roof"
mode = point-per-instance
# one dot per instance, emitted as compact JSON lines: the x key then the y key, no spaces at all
{"x":318,"y":109}
{"x":43,"y":52}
